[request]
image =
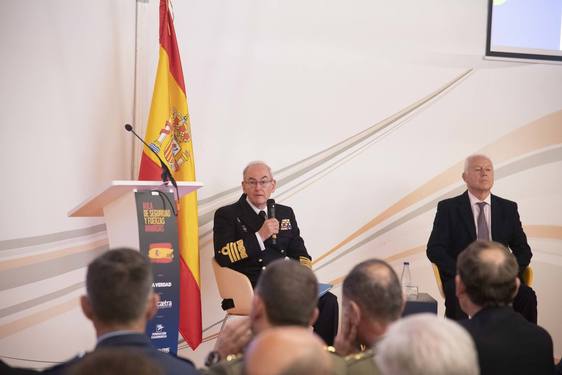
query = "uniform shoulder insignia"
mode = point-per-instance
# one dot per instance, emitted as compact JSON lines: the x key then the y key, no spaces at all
{"x":233,"y":357}
{"x":305,"y":262}
{"x":359,"y":356}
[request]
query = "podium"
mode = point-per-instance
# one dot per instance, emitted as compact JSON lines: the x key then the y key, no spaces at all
{"x":116,"y":203}
{"x":141,"y":215}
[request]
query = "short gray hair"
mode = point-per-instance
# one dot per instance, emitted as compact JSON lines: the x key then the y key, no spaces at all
{"x":473,"y":156}
{"x":256,"y":162}
{"x":427,"y":344}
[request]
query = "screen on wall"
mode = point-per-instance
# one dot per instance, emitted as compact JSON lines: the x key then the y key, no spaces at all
{"x":525,"y":29}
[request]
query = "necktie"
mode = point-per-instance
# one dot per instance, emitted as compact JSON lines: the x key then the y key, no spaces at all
{"x":483,"y":233}
{"x":263,"y":215}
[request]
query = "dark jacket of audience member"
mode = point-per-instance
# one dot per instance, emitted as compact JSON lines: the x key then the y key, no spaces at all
{"x":507,"y":343}
{"x":119,"y":302}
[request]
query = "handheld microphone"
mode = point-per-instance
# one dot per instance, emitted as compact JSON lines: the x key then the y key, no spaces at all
{"x":271,"y":214}
{"x":166,"y":174}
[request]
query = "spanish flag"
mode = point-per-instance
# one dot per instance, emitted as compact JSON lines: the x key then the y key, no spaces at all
{"x":169,"y":133}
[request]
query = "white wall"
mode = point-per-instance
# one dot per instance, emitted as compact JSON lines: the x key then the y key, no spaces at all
{"x":279,"y":81}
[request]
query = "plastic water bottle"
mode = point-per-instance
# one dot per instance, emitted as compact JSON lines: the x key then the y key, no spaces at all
{"x":406,"y":277}
{"x":410,"y":290}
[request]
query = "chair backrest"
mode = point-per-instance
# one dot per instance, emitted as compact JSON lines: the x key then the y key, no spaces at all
{"x":528,"y":276}
{"x":236,"y":286}
{"x":438,"y":279}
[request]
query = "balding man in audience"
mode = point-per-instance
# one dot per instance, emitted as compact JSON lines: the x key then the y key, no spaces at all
{"x":426,"y":344}
{"x":486,"y":284}
{"x":372,"y":301}
{"x":286,"y":295}
{"x":287,"y":351}
{"x":119,"y":302}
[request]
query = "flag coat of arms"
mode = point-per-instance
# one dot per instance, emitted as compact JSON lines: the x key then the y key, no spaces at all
{"x":169,"y":134}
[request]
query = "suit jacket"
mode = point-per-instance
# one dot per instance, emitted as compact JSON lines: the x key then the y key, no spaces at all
{"x":454,"y":229}
{"x":508,"y":344}
{"x":171,"y":364}
{"x":236,"y":245}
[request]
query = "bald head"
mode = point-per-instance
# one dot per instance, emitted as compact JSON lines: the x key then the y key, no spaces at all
{"x":488,"y":271}
{"x":287,"y":350}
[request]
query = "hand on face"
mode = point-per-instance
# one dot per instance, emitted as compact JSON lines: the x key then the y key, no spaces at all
{"x":346,"y":341}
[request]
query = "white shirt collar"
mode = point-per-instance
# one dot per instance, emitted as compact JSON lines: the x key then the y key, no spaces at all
{"x":474,"y":199}
{"x":256,"y":210}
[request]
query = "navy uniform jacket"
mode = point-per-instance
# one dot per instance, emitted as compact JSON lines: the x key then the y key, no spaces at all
{"x":454,"y":229}
{"x":508,"y":344}
{"x":236,"y":245}
{"x":171,"y":364}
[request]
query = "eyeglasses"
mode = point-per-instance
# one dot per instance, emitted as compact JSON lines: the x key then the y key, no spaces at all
{"x":254,"y":183}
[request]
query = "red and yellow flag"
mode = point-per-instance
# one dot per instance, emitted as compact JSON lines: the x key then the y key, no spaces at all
{"x":169,"y":132}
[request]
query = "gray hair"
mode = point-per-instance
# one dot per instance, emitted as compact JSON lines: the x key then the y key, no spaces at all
{"x":474,"y":156}
{"x":256,"y":162}
{"x":427,"y":344}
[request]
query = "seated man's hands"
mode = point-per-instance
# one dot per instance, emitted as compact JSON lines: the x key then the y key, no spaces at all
{"x":269,"y":228}
{"x":234,"y":337}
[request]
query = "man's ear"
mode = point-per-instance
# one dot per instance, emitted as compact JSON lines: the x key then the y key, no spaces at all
{"x":460,"y":288}
{"x":258,"y":309}
{"x":314,"y":317}
{"x":274,"y":184}
{"x":152,"y":305}
{"x":517,"y":285}
{"x":354,"y":313}
{"x":86,"y":307}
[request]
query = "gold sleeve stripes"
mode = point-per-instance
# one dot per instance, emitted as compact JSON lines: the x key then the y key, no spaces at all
{"x":235,"y":251}
{"x":305,"y":262}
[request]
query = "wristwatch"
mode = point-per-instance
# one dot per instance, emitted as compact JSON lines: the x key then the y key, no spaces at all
{"x":212,"y":358}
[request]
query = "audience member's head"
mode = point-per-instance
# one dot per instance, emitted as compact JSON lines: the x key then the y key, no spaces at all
{"x":119,"y":291}
{"x":486,"y":276}
{"x":287,"y":351}
{"x":286,"y":294}
{"x":426,"y":344}
{"x":372,"y":299}
{"x":115,"y":361}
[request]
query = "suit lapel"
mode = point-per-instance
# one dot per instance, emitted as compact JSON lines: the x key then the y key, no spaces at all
{"x":496,"y":217}
{"x":467,"y":215}
{"x":248,"y":216}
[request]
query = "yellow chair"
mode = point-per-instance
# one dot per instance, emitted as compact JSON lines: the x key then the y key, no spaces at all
{"x":438,"y":279}
{"x":528,"y":277}
{"x":235,"y":289}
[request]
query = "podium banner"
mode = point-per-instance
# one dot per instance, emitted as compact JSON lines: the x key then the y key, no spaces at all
{"x":158,"y":240}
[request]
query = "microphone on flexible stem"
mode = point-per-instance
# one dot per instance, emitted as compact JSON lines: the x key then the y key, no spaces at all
{"x":271,"y":214}
{"x":166,"y":174}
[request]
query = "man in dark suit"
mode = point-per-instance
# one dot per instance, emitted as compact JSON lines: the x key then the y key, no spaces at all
{"x":506,"y":343}
{"x":246,"y":240}
{"x":119,"y":302}
{"x":477,"y":214}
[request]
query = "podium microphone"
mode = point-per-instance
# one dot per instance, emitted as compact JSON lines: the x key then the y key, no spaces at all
{"x":166,"y":174}
{"x":270,"y":215}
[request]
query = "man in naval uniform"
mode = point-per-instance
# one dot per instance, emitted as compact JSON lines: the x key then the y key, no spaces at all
{"x":246,"y":240}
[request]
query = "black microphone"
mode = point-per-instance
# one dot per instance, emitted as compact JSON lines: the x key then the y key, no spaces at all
{"x":166,"y":174}
{"x":270,"y":215}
